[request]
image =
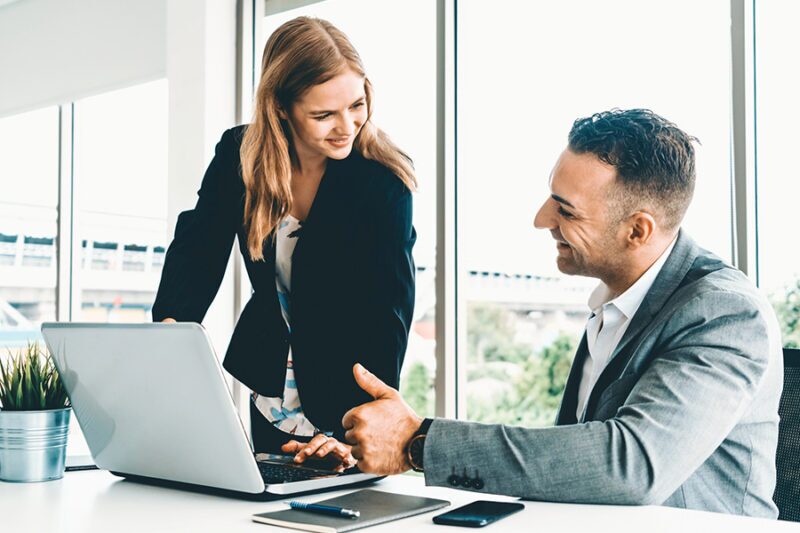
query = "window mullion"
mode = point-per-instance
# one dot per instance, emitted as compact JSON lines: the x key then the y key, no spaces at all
{"x":448,"y":327}
{"x":66,"y":251}
{"x":743,"y":138}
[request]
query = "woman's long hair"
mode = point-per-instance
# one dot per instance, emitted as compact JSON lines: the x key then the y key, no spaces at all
{"x":300,"y":54}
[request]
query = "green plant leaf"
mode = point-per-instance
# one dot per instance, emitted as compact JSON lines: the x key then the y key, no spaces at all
{"x":29,"y":380}
{"x":18,"y":401}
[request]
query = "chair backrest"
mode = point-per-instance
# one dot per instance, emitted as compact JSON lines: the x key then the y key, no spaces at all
{"x":787,"y":460}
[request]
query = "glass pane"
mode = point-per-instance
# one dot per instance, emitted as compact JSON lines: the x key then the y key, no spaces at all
{"x":405,"y":108}
{"x":526,"y":71}
{"x":120,"y":197}
{"x":778,"y":180}
{"x":28,"y":225}
{"x":121,"y":201}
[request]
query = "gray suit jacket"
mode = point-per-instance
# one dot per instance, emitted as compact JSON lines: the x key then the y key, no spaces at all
{"x":685,"y":414}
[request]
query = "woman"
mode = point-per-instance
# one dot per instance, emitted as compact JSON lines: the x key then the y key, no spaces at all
{"x":320,"y":200}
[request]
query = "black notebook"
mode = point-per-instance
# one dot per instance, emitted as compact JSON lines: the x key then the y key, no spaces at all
{"x":375,"y":506}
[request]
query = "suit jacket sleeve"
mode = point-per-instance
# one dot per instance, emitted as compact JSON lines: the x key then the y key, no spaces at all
{"x":711,"y":363}
{"x":195,"y":261}
{"x":394,"y":299}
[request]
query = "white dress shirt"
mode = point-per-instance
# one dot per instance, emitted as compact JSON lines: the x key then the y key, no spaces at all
{"x":610,"y":318}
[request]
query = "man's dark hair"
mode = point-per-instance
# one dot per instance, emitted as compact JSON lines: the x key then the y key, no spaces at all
{"x":653,"y":158}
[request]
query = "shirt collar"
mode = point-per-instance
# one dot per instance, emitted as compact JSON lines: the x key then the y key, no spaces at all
{"x":629,"y":301}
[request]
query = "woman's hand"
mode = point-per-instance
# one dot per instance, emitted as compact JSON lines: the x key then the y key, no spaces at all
{"x":322,"y":447}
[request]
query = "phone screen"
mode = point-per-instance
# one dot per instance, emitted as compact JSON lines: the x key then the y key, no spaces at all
{"x":478,"y":513}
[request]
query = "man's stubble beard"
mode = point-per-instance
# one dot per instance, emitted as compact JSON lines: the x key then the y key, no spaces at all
{"x":612,"y":263}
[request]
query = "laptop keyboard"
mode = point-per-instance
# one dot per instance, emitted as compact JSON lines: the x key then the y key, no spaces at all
{"x":282,"y":473}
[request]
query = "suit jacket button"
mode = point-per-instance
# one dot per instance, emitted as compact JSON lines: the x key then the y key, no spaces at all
{"x":466,"y":481}
{"x":477,"y":483}
{"x":454,"y":479}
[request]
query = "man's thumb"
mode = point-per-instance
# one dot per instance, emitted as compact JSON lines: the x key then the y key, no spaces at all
{"x":370,"y":382}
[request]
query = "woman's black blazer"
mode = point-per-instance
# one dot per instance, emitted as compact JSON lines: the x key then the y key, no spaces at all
{"x":352,"y":282}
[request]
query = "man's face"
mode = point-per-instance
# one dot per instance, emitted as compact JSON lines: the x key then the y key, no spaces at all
{"x":577,"y":213}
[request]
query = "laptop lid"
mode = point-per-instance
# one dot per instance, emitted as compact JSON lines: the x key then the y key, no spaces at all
{"x":152,"y":401}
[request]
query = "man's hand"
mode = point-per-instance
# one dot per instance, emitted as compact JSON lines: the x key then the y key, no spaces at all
{"x":379,"y":431}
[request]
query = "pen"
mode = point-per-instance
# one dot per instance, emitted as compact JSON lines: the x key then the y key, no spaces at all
{"x":324,"y":509}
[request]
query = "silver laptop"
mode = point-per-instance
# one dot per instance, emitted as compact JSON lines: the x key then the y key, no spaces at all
{"x":153,"y":405}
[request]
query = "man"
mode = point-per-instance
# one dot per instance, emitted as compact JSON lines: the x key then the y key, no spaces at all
{"x":673,"y":394}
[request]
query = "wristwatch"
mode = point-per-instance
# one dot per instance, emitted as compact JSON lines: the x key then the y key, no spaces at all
{"x":416,"y":446}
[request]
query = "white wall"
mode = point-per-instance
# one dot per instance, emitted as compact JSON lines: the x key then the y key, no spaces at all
{"x":53,"y":51}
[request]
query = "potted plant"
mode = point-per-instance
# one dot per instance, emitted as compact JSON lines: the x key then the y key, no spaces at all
{"x":34,"y":417}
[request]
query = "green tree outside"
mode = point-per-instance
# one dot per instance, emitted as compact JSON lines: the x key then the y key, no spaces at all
{"x":417,"y":389}
{"x":532,"y":394}
{"x":532,"y":382}
{"x":490,"y":335}
{"x":787,"y":307}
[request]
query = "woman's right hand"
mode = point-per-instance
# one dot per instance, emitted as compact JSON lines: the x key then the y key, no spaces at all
{"x":322,"y":447}
{"x":169,"y":320}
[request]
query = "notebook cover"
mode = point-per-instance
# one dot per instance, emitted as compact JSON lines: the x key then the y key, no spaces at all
{"x":376,"y":507}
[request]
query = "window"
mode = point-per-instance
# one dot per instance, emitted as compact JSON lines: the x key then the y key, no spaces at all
{"x":405,"y":108}
{"x":120,"y":162}
{"x":28,"y":224}
{"x":118,"y":187}
{"x":778,"y":183}
{"x":526,"y":71}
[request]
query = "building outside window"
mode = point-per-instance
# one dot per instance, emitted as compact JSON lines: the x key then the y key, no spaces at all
{"x":120,"y":161}
{"x":28,"y":224}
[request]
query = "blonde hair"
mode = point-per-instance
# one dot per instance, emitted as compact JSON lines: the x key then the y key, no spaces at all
{"x":300,"y":54}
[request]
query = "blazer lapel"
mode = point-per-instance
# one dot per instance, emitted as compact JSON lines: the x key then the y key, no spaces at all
{"x":672,"y":273}
{"x":569,"y":401}
{"x":674,"y":270}
{"x":324,"y":200}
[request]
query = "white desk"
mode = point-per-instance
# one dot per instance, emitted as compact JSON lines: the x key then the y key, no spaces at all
{"x":94,"y":501}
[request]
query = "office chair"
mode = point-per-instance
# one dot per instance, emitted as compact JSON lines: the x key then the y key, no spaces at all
{"x":787,"y":460}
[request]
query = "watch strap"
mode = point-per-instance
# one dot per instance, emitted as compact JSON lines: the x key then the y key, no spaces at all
{"x":424,"y":427}
{"x":416,"y":446}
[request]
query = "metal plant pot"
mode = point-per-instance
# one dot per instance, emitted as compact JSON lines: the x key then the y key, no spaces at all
{"x":33,"y":444}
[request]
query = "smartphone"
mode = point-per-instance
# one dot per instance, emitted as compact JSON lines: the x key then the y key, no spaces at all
{"x":478,"y":514}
